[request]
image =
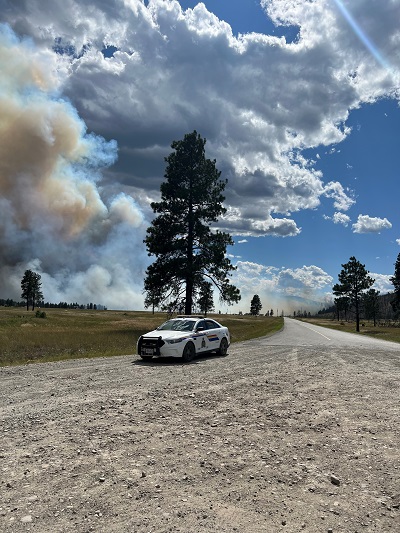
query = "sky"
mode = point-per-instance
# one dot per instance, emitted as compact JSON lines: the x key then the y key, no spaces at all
{"x":298,"y":101}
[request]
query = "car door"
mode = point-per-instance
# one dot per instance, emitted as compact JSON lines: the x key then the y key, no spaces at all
{"x":214,"y":334}
{"x":202,"y":343}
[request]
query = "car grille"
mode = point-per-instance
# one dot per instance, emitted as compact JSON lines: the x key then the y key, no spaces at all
{"x":150,"y":345}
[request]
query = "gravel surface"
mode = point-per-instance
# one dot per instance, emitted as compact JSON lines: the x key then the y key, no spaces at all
{"x":270,"y":438}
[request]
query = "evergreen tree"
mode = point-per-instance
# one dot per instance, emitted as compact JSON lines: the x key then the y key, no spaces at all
{"x":371,"y":304}
{"x":205,"y":300}
{"x":188,"y":252}
{"x":342,"y":304}
{"x":31,"y":287}
{"x":255,"y":305}
{"x":395,"y":279}
{"x":353,"y":281}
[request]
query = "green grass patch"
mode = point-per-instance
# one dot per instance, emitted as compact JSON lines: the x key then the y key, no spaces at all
{"x":77,"y":333}
{"x":385,"y":332}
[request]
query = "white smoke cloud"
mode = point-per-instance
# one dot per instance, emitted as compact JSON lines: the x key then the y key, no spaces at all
{"x":282,"y":287}
{"x":51,"y":204}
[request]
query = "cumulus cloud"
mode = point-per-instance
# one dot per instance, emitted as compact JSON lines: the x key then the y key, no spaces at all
{"x":259,"y":100}
{"x":341,"y":218}
{"x":306,"y":279}
{"x":367,"y":224}
{"x":338,"y":218}
{"x":342,"y":200}
{"x":382,"y":283}
{"x":235,"y":223}
{"x":174,"y":70}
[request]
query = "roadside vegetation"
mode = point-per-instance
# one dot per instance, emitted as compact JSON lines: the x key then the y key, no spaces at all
{"x":58,"y":334}
{"x":367,"y":328}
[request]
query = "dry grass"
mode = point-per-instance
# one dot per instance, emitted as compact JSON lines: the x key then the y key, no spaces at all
{"x":388,"y":333}
{"x":70,"y":333}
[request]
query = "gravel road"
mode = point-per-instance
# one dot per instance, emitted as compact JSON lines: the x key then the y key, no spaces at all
{"x":295,"y":432}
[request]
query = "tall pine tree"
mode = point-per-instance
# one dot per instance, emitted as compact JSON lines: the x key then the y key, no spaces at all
{"x":188,"y":251}
{"x":395,"y":279}
{"x":31,"y":287}
{"x":255,"y":305}
{"x":353,"y":281}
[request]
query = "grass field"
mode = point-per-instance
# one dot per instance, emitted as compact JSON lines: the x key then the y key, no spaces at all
{"x":70,"y":333}
{"x":387,"y":333}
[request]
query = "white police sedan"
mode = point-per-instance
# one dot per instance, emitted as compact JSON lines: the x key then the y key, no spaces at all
{"x":186,"y":337}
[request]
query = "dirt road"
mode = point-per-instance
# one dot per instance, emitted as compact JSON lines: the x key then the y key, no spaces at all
{"x":277,"y":436}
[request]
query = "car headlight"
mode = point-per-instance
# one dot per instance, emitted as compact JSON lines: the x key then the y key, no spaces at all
{"x":174,"y":341}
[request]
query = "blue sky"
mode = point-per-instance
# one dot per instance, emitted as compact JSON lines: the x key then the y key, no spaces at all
{"x":299,"y":105}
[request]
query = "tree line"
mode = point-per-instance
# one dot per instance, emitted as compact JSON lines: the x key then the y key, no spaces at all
{"x":32,"y":295}
{"x":9,"y":302}
{"x":355,"y":295}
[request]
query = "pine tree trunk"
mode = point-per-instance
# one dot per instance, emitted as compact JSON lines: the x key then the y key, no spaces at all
{"x":357,"y":317}
{"x":189,"y":259}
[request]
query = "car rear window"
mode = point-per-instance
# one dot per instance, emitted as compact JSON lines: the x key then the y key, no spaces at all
{"x":212,"y":325}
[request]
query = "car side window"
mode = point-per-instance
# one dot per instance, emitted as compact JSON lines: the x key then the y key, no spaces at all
{"x":211,"y":324}
{"x":201,"y":326}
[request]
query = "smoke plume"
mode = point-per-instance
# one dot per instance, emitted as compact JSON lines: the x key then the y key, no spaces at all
{"x":53,"y":217}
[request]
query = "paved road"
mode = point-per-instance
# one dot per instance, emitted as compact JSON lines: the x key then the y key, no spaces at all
{"x":296,"y":333}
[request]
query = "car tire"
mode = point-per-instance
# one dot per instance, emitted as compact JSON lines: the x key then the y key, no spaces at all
{"x":223,"y":347}
{"x":189,"y":352}
{"x":146,"y":357}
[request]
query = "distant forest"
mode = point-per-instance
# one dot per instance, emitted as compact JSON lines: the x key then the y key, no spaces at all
{"x":48,"y":305}
{"x":384,"y":311}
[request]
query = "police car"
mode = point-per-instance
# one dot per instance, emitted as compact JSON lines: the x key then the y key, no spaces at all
{"x":185,"y":337}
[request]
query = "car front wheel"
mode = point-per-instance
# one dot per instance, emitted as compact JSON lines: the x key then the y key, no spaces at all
{"x":189,"y":352}
{"x":223,"y":347}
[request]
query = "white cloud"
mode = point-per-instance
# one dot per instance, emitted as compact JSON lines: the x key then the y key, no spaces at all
{"x":177,"y":70}
{"x":382,"y":283}
{"x":242,"y":241}
{"x":341,"y":218}
{"x":398,"y":241}
{"x":338,"y":218}
{"x":342,"y":200}
{"x":306,"y":279}
{"x":235,"y":223}
{"x":367,"y":224}
{"x":258,"y":100}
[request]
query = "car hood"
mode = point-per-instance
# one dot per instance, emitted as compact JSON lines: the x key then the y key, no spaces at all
{"x":169,"y":334}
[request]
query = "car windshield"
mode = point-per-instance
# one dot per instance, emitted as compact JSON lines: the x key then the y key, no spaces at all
{"x":178,"y":325}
